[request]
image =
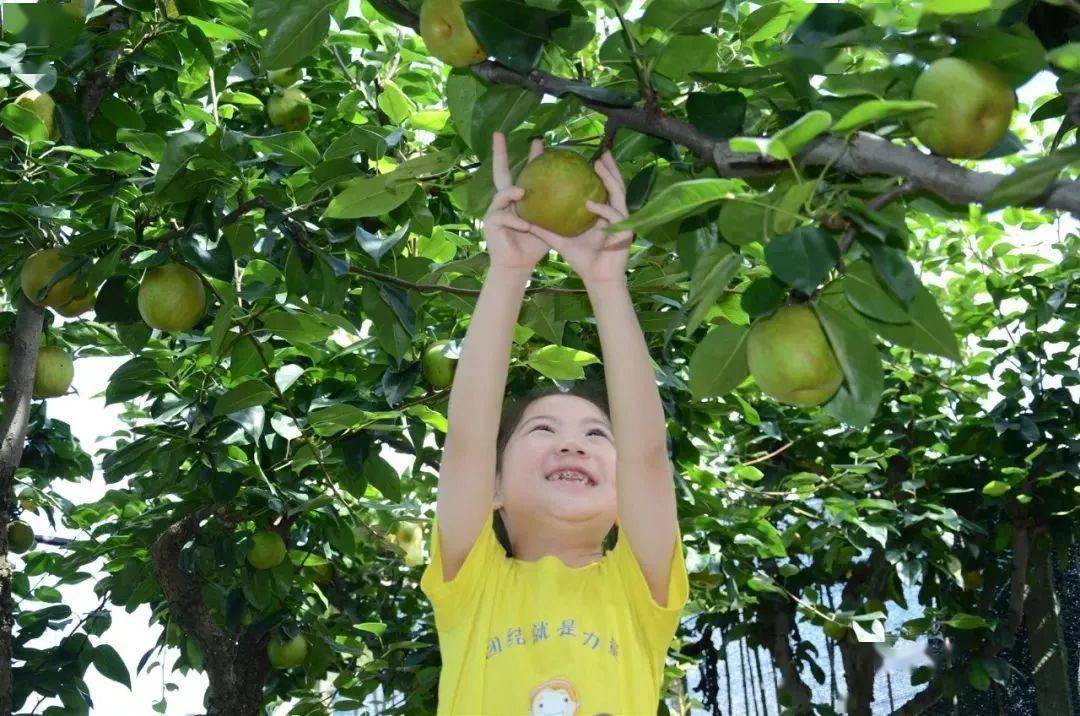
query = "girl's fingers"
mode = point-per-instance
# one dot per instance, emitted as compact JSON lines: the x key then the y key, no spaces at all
{"x":615,"y":190}
{"x":500,"y":168}
{"x":536,"y":148}
{"x":510,"y":221}
{"x":549,"y":237}
{"x":613,"y":166}
{"x":504,"y":197}
{"x":605,"y":211}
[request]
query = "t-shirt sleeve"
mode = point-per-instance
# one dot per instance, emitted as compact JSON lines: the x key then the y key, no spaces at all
{"x":452,"y":598}
{"x":658,"y":622}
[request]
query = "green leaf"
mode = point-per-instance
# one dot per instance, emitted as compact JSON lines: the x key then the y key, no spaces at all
{"x":977,"y":676}
{"x":179,"y":150}
{"x":294,"y":29}
{"x":996,"y":488}
{"x":395,"y":103}
{"x":245,"y":395}
{"x":802,"y":258}
{"x":1066,"y":56}
{"x":870,"y":296}
{"x":676,"y":201}
{"x":149,"y":145}
{"x":895,"y":270}
{"x":928,"y":332}
{"x":110,"y":665}
{"x":295,"y":149}
{"x":718,"y":363}
{"x":296,"y":328}
{"x":383,"y":477}
{"x":1016,"y":51}
{"x":718,"y":114}
{"x":786,"y":143}
{"x":876,"y":110}
{"x":682,"y":15}
{"x":463,"y":90}
{"x":500,"y":109}
{"x":561,"y":363}
{"x":796,"y":135}
{"x":856,"y":401}
{"x":214,"y":258}
{"x":369,"y":196}
{"x":24,"y":123}
{"x":512,"y":32}
{"x":762,"y":296}
{"x":711,"y":275}
{"x":742,"y":222}
{"x":955,"y":7}
{"x":1030,"y":180}
{"x":372,"y":141}
{"x":217,"y":30}
{"x":967,"y":621}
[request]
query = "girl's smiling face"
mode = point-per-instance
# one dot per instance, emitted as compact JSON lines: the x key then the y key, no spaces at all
{"x":560,"y":460}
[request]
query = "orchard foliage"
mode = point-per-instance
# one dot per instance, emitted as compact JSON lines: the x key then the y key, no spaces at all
{"x":323,"y":175}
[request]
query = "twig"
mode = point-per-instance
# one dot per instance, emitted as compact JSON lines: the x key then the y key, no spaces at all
{"x":771,"y":455}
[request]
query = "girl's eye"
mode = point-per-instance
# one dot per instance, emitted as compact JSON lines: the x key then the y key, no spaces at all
{"x":601,"y":433}
{"x":542,"y":426}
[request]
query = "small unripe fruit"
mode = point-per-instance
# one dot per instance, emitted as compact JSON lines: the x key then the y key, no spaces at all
{"x":20,"y":537}
{"x":38,"y":270}
{"x":447,"y":35}
{"x":267,"y":550}
{"x":287,"y":654}
{"x":438,"y":369}
{"x":290,"y":110}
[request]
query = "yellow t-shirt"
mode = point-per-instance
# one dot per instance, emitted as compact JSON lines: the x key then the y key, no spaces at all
{"x":541,"y":638}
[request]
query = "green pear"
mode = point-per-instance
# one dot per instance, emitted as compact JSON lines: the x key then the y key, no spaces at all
{"x":290,"y":110}
{"x":287,"y":654}
{"x":974,"y":107}
{"x":41,"y":104}
{"x":438,"y":369}
{"x":285,"y":77}
{"x":171,"y":298}
{"x":20,"y":537}
{"x":790,"y":357}
{"x":446,"y":34}
{"x":267,"y":550}
{"x":557,"y":183}
{"x":53,"y":372}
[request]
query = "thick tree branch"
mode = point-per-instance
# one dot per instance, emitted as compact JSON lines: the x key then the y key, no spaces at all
{"x":237,"y":667}
{"x":17,"y":394}
{"x":865,"y":153}
{"x":781,"y":619}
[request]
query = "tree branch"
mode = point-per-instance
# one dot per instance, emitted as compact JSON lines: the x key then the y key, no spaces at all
{"x":16,"y":415}
{"x":237,"y":668}
{"x":865,"y":154}
{"x":781,"y":619}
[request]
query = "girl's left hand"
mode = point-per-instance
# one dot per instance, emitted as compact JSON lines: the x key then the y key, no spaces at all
{"x":596,"y":255}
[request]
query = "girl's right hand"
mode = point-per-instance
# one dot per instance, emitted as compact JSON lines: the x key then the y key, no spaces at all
{"x":508,"y":239}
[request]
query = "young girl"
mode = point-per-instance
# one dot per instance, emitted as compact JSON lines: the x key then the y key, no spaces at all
{"x":547,"y":622}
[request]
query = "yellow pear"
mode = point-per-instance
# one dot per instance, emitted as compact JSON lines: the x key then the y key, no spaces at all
{"x":446,"y":34}
{"x":557,"y":183}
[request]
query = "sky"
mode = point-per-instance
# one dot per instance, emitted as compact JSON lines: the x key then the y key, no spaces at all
{"x":92,"y":422}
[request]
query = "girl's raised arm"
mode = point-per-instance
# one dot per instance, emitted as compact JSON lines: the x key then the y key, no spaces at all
{"x":467,"y":471}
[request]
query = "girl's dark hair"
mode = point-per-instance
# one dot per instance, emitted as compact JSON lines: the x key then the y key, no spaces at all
{"x":513,"y":408}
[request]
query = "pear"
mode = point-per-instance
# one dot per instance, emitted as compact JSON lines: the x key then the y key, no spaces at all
{"x":790,"y":357}
{"x":974,"y":107}
{"x":443,"y":27}
{"x":557,"y":183}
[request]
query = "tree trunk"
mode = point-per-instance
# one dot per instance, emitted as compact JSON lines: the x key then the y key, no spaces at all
{"x":861,"y":662}
{"x":16,"y":415}
{"x":1042,"y":615}
{"x":236,"y":666}
{"x":793,"y":694}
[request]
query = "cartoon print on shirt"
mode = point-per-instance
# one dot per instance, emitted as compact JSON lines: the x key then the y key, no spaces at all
{"x":554,"y":697}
